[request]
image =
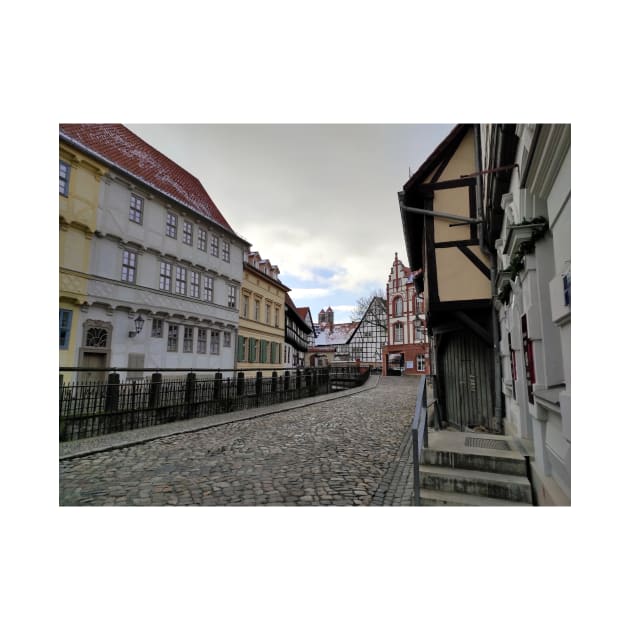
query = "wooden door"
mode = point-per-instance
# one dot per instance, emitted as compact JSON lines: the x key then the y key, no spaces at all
{"x":466,"y":376}
{"x":94,"y":360}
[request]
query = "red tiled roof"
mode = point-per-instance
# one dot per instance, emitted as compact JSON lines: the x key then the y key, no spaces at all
{"x":302,"y":311}
{"x":121,"y":148}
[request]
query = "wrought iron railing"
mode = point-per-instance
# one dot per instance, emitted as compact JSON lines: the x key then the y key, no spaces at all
{"x":419,"y":435}
{"x":92,"y":408}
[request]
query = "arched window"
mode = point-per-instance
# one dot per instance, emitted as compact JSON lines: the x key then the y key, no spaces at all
{"x":96,"y":338}
{"x":398,"y":307}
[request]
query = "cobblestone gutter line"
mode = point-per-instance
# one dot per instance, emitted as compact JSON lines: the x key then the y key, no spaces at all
{"x":396,"y":487}
{"x":79,"y":448}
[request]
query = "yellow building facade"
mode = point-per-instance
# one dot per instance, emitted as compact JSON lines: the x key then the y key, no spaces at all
{"x":79,"y":190}
{"x":262,"y":320}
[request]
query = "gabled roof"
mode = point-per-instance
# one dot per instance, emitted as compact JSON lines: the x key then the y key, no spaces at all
{"x":451,"y":141}
{"x":119,"y":147}
{"x":379,"y":302}
{"x":295,"y":312}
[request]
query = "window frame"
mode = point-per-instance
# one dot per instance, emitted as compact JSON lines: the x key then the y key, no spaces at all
{"x":66,"y":329}
{"x":202,"y":340}
{"x":202,"y":239}
{"x":208,"y":288}
{"x":187,"y":233}
{"x":225,"y":252}
{"x":189,"y":338}
{"x":214,"y":245}
{"x":194,"y":288}
{"x":136,"y":213}
{"x":157,"y":328}
{"x":231,"y":301}
{"x":172,"y":335}
{"x":227,"y":339}
{"x":65,"y":192}
{"x":171,"y":224}
{"x":215,"y":342}
{"x":129,"y":266}
{"x":166,"y":280}
{"x":180,"y":280}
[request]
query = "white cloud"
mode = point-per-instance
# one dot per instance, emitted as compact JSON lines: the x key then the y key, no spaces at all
{"x":309,"y":293}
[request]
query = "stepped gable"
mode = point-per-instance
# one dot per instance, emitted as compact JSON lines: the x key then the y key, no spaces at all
{"x":124,"y":150}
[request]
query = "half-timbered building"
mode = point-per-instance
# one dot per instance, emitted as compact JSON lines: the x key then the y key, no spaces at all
{"x":368,"y":338}
{"x":439,"y":210}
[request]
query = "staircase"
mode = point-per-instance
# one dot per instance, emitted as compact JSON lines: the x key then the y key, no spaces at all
{"x":471,"y":469}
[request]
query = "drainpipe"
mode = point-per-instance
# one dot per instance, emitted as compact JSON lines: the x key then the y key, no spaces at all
{"x":491,"y":253}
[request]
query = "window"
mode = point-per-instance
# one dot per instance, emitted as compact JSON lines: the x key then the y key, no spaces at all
{"x":180,"y":280}
{"x":277,"y":317}
{"x":171,"y":225}
{"x":64,"y":178}
{"x":96,"y":337}
{"x":227,"y":339}
{"x":245,"y":299}
{"x":398,"y":307}
{"x":202,"y":339}
{"x":128,"y":273}
{"x":65,"y":323}
{"x":274,"y":352}
{"x":173,"y":332}
{"x":214,"y":245}
{"x":208,"y":288}
{"x":136,"y":207}
{"x":202,"y":239}
{"x":187,"y":234}
{"x":232,"y":297}
{"x":194,"y":284}
{"x":156,"y":328}
{"x":241,"y":348}
{"x":188,"y":338}
{"x":252,"y":350}
{"x":267,"y":313}
{"x":398,"y":332}
{"x":225,"y":254}
{"x":263,"y":351}
{"x":214,"y":342}
{"x":165,"y":276}
{"x":420,"y":363}
{"x":257,"y":310}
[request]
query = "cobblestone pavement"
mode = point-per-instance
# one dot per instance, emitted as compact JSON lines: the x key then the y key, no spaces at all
{"x":339,"y":452}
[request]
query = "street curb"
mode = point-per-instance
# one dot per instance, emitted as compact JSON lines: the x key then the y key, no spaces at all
{"x":114,"y":441}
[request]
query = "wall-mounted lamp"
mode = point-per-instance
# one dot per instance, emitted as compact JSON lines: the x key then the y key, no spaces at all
{"x":139,"y":323}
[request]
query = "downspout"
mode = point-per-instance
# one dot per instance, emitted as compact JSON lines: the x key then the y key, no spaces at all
{"x":491,"y":253}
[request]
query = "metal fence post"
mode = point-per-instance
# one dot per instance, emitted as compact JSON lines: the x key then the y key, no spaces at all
{"x":218,"y":382}
{"x":287,"y":380}
{"x":258,"y":384}
{"x":111,"y":394}
{"x":274,"y":382}
{"x":298,"y":379}
{"x":189,"y":394}
{"x":240,"y":383}
{"x":154,"y":390}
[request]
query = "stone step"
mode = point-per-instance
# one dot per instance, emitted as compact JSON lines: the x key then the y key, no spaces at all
{"x":476,"y":482}
{"x":432,"y":498}
{"x":507,"y":463}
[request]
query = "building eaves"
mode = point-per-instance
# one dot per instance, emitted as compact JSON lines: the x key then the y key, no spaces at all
{"x":121,"y":150}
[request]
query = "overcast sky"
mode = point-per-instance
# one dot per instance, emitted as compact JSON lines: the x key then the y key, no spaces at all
{"x":319,"y":201}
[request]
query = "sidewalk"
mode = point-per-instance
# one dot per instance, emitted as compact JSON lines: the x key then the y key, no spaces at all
{"x":78,"y":448}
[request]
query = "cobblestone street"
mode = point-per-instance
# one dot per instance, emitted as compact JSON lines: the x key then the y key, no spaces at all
{"x":341,"y":452}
